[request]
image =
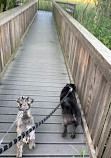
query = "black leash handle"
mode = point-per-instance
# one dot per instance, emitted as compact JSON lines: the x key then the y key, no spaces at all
{"x":6,"y":147}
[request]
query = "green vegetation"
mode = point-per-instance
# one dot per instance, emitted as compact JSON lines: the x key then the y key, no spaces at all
{"x":45,"y":5}
{"x":9,"y":4}
{"x":82,"y":154}
{"x":99,"y":25}
{"x":96,"y":18}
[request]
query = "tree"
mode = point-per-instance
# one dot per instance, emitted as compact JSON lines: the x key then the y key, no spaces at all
{"x":103,"y":8}
{"x":6,"y":4}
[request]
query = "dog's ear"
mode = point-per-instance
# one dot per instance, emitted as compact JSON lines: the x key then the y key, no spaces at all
{"x":74,"y":87}
{"x":18,"y":100}
{"x":30,"y":100}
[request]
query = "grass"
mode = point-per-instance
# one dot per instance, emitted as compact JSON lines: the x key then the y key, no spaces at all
{"x":12,"y":3}
{"x":102,"y":31}
{"x":82,"y":154}
{"x":45,"y":5}
{"x":82,"y":1}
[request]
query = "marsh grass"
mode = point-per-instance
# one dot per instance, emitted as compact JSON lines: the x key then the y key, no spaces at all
{"x":102,"y":30}
{"x":45,"y":5}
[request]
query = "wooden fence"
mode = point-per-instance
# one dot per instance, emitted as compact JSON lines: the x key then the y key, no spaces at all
{"x":68,"y":6}
{"x":89,"y":62}
{"x":13,"y":25}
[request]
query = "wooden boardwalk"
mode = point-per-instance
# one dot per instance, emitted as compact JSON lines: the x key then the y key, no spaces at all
{"x":38,"y":70}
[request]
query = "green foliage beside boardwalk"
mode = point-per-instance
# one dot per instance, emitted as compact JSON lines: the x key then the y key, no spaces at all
{"x":87,"y":14}
{"x":100,"y":28}
{"x":45,"y":5}
{"x":9,"y":4}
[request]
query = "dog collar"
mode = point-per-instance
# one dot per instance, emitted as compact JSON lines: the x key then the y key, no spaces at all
{"x":71,"y":89}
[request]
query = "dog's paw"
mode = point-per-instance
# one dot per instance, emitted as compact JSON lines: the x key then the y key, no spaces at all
{"x":72,"y":136}
{"x":18,"y":156}
{"x":32,"y":146}
{"x":64,"y":135}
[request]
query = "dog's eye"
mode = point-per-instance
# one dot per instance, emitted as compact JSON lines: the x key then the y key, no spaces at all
{"x":29,"y":105}
{"x":20,"y":105}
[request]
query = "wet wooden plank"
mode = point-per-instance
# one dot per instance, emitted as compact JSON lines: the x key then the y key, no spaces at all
{"x":35,"y":111}
{"x":42,"y":104}
{"x":48,"y":150}
{"x":18,"y":83}
{"x":40,"y":80}
{"x":45,"y":128}
{"x":48,"y":138}
{"x":31,"y":93}
{"x":32,"y":87}
{"x":53,"y":119}
{"x":39,"y":98}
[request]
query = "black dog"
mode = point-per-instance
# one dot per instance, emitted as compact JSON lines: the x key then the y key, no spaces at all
{"x":70,"y":110}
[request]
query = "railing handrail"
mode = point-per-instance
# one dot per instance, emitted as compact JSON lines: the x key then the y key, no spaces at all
{"x":61,"y":2}
{"x":10,"y":14}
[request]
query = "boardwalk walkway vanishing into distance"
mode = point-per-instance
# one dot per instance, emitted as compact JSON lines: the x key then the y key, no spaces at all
{"x":38,"y":70}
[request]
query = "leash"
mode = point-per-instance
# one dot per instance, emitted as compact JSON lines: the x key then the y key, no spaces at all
{"x":17,"y":139}
{"x":12,"y":126}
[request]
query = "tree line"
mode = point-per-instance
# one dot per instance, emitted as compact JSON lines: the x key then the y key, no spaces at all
{"x":8,"y":4}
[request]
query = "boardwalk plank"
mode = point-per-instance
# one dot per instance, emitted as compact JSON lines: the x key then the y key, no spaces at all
{"x":36,"y":111}
{"x":48,"y":150}
{"x":51,"y":128}
{"x":10,"y":118}
{"x":31,"y":93}
{"x":37,"y":104}
{"x":32,"y":87}
{"x":49,"y":138}
{"x":39,"y":98}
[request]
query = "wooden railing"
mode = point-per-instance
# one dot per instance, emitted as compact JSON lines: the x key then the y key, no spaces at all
{"x":89,"y":63}
{"x":68,"y":6}
{"x":13,"y":25}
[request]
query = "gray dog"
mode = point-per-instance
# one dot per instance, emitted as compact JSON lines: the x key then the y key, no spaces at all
{"x":25,"y":122}
{"x":70,"y":110}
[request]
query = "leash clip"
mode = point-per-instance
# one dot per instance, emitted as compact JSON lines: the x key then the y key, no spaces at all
{"x":71,"y":89}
